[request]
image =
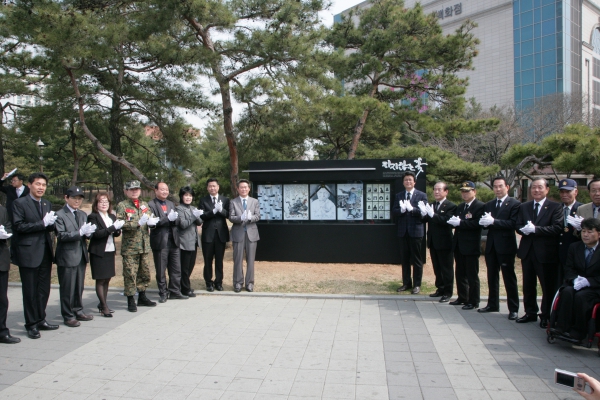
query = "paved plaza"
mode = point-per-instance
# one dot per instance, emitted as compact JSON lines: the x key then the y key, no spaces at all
{"x":252,"y":346}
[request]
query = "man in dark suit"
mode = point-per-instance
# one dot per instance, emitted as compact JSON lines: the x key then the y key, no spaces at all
{"x":591,"y":210}
{"x":34,"y":219}
{"x":540,"y":221}
{"x":569,"y":234}
{"x":582,"y":282}
{"x":215,"y":233}
{"x":467,"y":247}
{"x":244,"y":213}
{"x":164,"y":242}
{"x":411,"y":230}
{"x":72,"y":232}
{"x":501,"y":248}
{"x":16,"y":190}
{"x":5,"y":234}
{"x":439,"y":240}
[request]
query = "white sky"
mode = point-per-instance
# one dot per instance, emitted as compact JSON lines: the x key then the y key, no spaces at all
{"x":337,"y":6}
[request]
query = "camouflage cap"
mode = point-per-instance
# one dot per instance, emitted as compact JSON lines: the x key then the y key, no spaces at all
{"x":132,"y":185}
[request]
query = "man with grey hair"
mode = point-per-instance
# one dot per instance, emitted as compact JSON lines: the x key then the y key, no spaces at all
{"x":540,"y":222}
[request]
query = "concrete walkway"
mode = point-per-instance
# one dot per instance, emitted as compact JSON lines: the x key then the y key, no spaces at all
{"x":249,"y":346}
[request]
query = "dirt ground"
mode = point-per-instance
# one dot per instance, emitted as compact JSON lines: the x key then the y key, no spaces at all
{"x":291,"y":277}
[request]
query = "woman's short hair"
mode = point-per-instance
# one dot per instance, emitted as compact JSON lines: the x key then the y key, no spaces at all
{"x":97,"y":200}
{"x":184,"y":190}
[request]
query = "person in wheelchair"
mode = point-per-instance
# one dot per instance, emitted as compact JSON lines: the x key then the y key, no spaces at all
{"x":581,"y":290}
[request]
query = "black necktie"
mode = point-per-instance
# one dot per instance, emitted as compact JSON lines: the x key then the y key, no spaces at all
{"x":498,"y":203}
{"x":408,"y":196}
{"x":214,"y":201}
{"x":41,"y":209}
{"x":437,"y":205}
{"x":536,"y":209}
{"x":76,"y":215}
{"x":589,"y":255}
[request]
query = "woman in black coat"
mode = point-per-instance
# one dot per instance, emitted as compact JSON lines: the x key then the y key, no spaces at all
{"x":102,"y":247}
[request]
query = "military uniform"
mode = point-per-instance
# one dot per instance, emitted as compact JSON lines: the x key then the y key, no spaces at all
{"x":135,"y":246}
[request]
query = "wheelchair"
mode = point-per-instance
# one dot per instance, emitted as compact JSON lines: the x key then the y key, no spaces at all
{"x":592,"y":333}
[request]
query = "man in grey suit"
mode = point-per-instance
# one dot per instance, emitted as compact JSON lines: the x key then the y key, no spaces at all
{"x":244,"y":212}
{"x":72,"y":232}
{"x":164,"y":242}
{"x":5,"y":234}
{"x":590,"y":210}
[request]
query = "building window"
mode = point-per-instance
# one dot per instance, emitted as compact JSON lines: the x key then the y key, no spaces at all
{"x":596,"y":90}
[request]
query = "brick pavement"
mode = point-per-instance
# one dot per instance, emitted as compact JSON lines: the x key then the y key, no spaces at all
{"x":252,"y":346}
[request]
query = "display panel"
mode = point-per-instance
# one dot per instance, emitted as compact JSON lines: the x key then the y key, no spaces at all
{"x":349,"y":201}
{"x":270,"y":199}
{"x":377,"y":201}
{"x":322,"y":202}
{"x":295,"y":206}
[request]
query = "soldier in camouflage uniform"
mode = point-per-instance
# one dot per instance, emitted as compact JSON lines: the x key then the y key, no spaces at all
{"x":135,"y":245}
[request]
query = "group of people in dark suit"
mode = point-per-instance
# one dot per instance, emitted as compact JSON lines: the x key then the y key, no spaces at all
{"x":454,"y":242}
{"x":81,"y":239}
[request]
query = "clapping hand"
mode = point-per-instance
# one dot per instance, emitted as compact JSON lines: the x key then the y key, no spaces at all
{"x":249,"y":216}
{"x":575,"y":221}
{"x":402,"y":206}
{"x":197,"y":213}
{"x":454,"y":221}
{"x":244,"y":215}
{"x":172,"y":216}
{"x":408,"y":206}
{"x":118,"y":224}
{"x":527,"y":229}
{"x":49,"y":218}
{"x":144,"y":220}
{"x":87,"y":229}
{"x":430,"y":210}
{"x":580,"y":282}
{"x":152,"y":221}
{"x":3,"y":233}
{"x":486,"y":220}
{"x":218,"y":207}
{"x":422,"y":208}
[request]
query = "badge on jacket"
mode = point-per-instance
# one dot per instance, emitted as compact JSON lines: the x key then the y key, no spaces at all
{"x":468,"y":215}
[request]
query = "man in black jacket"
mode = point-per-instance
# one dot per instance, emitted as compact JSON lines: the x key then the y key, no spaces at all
{"x":34,"y":219}
{"x":540,"y":221}
{"x":16,"y":190}
{"x":5,"y":233}
{"x":467,"y":247}
{"x":501,"y":248}
{"x":439,"y":240}
{"x":570,"y":233}
{"x":164,"y":242}
{"x":215,"y":233}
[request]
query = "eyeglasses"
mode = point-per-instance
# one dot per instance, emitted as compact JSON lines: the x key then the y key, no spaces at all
{"x":103,"y":202}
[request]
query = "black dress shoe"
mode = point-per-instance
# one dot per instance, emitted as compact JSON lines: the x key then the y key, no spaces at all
{"x":512,"y":315}
{"x":416,"y":290}
{"x":219,"y":287}
{"x":470,"y":306}
{"x":488,"y":309}
{"x":45,"y":326}
{"x":84,"y":317}
{"x":526,"y":318}
{"x":191,"y":294}
{"x":163,"y":298}
{"x":445,"y":299}
{"x":457,"y":302}
{"x":72,"y":323}
{"x":250,"y":287}
{"x":543,"y":322}
{"x":237,"y":288}
{"x":210,"y":287}
{"x":10,"y":339}
{"x":33,"y":333}
{"x":436,"y":294}
{"x":177,"y":296}
{"x":404,"y":288}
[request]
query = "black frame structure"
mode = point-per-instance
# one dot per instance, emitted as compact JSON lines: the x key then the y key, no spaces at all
{"x":344,"y":239}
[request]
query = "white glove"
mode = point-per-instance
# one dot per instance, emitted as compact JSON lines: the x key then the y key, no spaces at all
{"x":408,"y":206}
{"x":580,"y":282}
{"x":527,"y":229}
{"x":403,"y":206}
{"x":244,"y":215}
{"x":249,"y":216}
{"x":575,"y":221}
{"x":49,"y":218}
{"x":3,"y":233}
{"x":486,"y":220}
{"x":118,"y":224}
{"x":152,"y":221}
{"x":91,"y":229}
{"x":84,"y":229}
{"x":172,"y":215}
{"x":197,"y":213}
{"x":218,"y":207}
{"x":422,"y":208}
{"x":430,"y":210}
{"x":144,"y":220}
{"x":454,"y":221}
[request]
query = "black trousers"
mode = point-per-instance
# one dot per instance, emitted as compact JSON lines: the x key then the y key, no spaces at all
{"x":443,"y":267}
{"x":216,"y":250}
{"x":188,"y":260}
{"x":546,"y":273}
{"x":168,"y":260}
{"x":71,"y":280}
{"x":575,"y":310}
{"x":411,"y":256}
{"x":467,"y":277}
{"x":3,"y":302}
{"x":35,"y":284}
{"x":506,"y":263}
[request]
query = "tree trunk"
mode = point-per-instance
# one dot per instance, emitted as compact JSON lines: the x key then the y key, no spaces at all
{"x":115,"y":149}
{"x":74,"y":151}
{"x":360,"y":125}
{"x":231,"y":142}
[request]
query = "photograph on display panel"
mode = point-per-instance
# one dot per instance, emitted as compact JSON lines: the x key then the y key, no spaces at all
{"x":377,"y":201}
{"x":322,"y":202}
{"x":270,"y":199}
{"x":295,"y":202}
{"x":349,"y":201}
